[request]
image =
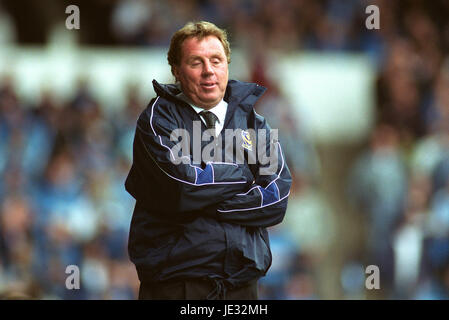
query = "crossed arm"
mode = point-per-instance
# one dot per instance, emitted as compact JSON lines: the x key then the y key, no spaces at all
{"x":224,"y":191}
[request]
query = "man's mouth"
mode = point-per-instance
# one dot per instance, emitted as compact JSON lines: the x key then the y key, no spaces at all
{"x":208,"y":85}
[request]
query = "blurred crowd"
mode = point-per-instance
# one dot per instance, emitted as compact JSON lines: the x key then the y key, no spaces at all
{"x":63,"y":163}
{"x":62,"y":196}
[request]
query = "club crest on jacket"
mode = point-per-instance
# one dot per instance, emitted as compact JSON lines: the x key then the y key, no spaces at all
{"x":247,"y":143}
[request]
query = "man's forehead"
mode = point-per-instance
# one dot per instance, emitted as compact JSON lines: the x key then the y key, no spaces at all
{"x":193,"y":45}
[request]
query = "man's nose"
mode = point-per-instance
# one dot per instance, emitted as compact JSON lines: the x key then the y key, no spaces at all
{"x":207,"y":69}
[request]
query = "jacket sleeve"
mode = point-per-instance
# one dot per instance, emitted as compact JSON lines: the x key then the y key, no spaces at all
{"x":265,"y":203}
{"x":157,"y":181}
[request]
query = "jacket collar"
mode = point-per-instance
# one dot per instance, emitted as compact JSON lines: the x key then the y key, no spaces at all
{"x":244,"y":94}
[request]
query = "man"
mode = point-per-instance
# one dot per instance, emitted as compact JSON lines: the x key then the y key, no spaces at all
{"x":198,"y":227}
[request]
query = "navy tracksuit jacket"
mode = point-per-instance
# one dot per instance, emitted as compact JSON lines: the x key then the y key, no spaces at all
{"x":204,"y":220}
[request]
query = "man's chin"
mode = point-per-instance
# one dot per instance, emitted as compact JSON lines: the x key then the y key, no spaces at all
{"x":207,"y":106}
{"x":209,"y":103}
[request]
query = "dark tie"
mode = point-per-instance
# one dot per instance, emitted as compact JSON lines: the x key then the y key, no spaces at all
{"x":210,"y":119}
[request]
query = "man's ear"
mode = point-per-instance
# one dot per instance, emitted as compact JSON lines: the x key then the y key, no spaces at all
{"x":175,"y":72}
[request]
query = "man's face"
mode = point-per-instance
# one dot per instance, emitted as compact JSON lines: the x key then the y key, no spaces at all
{"x":203,"y":71}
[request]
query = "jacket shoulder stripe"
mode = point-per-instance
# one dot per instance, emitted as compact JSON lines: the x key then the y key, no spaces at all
{"x":151,"y":117}
{"x":171,"y":152}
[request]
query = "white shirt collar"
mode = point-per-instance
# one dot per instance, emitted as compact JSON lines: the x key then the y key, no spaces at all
{"x":219,"y":110}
